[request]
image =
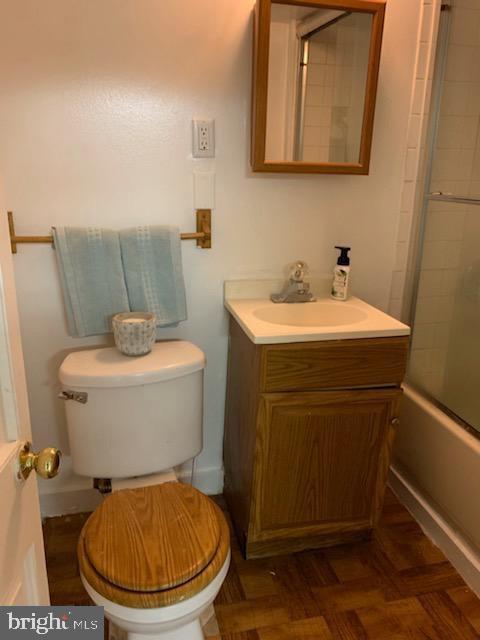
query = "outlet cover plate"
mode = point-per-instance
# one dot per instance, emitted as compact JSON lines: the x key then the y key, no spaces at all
{"x":203,"y":139}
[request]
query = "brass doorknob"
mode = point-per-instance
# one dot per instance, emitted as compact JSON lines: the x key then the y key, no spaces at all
{"x":46,"y":462}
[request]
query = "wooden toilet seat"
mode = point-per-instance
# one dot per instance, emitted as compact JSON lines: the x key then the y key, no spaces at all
{"x":153,"y":546}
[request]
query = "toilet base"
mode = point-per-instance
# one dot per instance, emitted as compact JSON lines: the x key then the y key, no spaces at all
{"x":190,"y":631}
{"x":179,"y":621}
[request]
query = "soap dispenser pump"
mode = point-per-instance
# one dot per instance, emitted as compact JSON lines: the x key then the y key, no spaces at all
{"x":341,"y":274}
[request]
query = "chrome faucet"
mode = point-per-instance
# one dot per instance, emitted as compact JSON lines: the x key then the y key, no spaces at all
{"x":296,"y":289}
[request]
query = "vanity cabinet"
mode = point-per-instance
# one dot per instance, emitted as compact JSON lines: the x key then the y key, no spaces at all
{"x":308,"y":435}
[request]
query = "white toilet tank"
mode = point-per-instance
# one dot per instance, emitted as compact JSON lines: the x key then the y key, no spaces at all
{"x":142,"y":414}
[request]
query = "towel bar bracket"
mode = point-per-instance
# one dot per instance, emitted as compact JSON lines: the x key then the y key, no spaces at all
{"x":204,"y":225}
{"x":203,"y":234}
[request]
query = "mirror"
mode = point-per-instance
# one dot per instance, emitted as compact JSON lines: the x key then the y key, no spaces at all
{"x":314,"y":86}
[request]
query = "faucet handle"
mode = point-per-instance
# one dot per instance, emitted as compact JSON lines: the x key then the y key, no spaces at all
{"x":298,"y":271}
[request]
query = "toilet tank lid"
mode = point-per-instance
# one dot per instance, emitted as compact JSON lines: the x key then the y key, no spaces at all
{"x":108,"y":367}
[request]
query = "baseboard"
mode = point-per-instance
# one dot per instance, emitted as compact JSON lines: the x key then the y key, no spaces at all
{"x":68,"y":501}
{"x":462,"y":554}
{"x":69,"y":493}
{"x":208,"y":480}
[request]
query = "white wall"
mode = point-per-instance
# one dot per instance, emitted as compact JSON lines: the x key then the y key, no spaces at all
{"x":95,"y":128}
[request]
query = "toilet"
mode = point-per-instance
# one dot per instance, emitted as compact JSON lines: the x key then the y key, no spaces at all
{"x":155,"y":553}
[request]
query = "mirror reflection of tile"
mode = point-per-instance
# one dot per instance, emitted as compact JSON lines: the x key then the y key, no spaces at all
{"x":315,"y":115}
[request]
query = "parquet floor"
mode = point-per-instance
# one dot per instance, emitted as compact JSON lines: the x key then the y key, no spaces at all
{"x":398,"y":586}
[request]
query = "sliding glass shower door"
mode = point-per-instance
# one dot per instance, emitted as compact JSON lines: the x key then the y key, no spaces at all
{"x":445,"y":355}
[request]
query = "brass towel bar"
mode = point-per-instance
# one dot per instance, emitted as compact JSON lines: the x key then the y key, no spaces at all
{"x":203,"y":234}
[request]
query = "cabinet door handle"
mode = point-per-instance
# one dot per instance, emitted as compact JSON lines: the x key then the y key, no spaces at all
{"x":395,"y":422}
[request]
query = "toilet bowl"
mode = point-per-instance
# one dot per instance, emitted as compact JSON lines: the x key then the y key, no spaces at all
{"x":155,"y":558}
{"x":179,"y":621}
{"x":153,"y":555}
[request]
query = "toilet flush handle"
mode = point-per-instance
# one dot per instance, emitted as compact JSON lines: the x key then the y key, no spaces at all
{"x":78,"y":396}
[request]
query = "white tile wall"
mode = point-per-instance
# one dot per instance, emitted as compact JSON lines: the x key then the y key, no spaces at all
{"x":416,"y":135}
{"x":329,"y":132}
{"x":425,"y":346}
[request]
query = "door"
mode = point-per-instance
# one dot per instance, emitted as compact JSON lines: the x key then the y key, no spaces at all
{"x":23,"y":577}
{"x":329,"y":452}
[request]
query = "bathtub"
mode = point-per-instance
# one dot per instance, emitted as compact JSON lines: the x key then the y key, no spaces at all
{"x":436,"y":473}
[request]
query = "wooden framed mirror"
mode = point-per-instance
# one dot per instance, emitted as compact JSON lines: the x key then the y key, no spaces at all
{"x":315,"y":73}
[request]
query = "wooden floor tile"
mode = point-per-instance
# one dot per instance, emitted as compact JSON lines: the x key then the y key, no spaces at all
{"x":347,"y":569}
{"x":316,"y":570}
{"x":383,"y":571}
{"x":296,"y":595}
{"x":468,"y":604}
{"x":231,"y":590}
{"x":309,"y":629}
{"x":425,"y":579}
{"x":396,"y":586}
{"x":243,"y":635}
{"x":400,"y":620}
{"x":68,"y":591}
{"x":256,"y":581}
{"x":447,"y":617}
{"x":406,"y":546}
{"x":251,"y":614}
{"x":345,"y":625}
{"x":346,"y":597}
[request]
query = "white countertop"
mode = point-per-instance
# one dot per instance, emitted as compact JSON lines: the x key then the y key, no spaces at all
{"x":338,"y":320}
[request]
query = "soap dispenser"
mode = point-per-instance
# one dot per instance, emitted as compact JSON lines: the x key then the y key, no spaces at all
{"x":341,"y":274}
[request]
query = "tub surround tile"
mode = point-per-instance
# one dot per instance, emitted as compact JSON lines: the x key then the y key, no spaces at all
{"x":430,"y":284}
{"x":418,"y":97}
{"x":401,"y":256}
{"x":395,"y":308}
{"x":445,"y":225}
{"x":474,"y":187}
{"x":404,"y":224}
{"x":453,"y":164}
{"x":411,"y":162}
{"x":422,"y":61}
{"x":455,"y":98}
{"x":457,"y":132}
{"x":414,"y":125}
{"x":427,"y":19}
{"x":408,"y":196}
{"x":434,"y":255}
{"x":397,"y":284}
{"x":465,"y":29}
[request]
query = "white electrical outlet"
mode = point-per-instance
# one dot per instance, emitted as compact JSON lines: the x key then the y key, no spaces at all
{"x":203,"y":139}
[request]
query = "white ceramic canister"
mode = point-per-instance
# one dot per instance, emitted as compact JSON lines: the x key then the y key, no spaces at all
{"x":134,"y":332}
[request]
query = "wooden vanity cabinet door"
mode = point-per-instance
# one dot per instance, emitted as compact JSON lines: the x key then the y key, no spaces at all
{"x":321,"y":462}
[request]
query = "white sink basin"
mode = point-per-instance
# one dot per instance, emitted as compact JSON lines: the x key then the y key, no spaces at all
{"x":311,"y":314}
{"x":266,"y":322}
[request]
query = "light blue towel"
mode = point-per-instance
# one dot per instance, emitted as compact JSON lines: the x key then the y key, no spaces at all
{"x":152,"y":264}
{"x":92,"y":279}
